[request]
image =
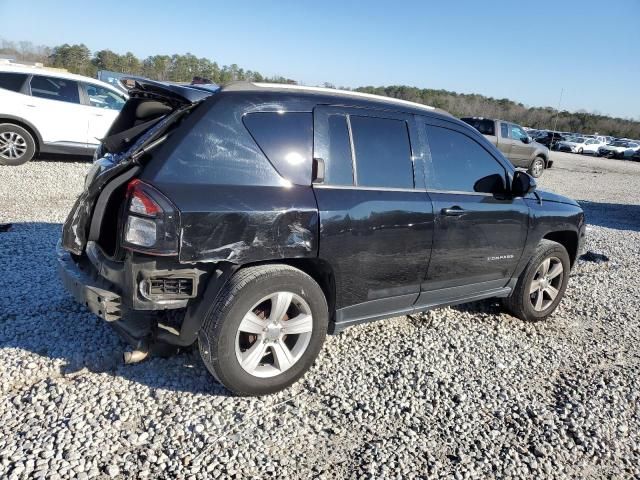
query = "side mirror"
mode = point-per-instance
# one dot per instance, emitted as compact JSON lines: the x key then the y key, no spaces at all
{"x":526,"y":139}
{"x":522,"y":184}
{"x":494,"y":184}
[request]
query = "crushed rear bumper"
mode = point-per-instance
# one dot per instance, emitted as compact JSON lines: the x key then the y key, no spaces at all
{"x":87,"y":287}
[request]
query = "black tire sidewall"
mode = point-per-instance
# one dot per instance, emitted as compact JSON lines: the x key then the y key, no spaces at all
{"x":31,"y":146}
{"x":222,"y":342}
{"x":558,"y":251}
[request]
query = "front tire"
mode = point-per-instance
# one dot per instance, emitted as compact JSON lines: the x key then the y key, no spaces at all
{"x":580,"y":150}
{"x":542,"y":284}
{"x":265,"y":329}
{"x":537,"y":167}
{"x":17,"y":145}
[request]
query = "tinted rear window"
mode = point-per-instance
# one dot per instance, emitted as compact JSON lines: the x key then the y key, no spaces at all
{"x":287,"y":141}
{"x":12,"y":81}
{"x":383,"y":153}
{"x":339,"y":165}
{"x":484,"y":126}
{"x":53,"y":88}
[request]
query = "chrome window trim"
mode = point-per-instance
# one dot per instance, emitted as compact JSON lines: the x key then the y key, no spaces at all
{"x":356,"y":187}
{"x":459,"y":192}
{"x":393,"y":189}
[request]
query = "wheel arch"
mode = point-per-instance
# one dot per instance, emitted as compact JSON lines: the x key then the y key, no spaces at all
{"x":28,"y":126}
{"x":568,"y":239}
{"x":318,"y":269}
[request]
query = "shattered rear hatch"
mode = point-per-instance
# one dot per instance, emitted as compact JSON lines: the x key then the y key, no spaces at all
{"x":122,"y":151}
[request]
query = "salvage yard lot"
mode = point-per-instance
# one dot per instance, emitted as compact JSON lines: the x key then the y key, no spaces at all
{"x":467,"y":389}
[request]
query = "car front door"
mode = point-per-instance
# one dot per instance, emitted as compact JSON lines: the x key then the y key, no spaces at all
{"x":480,"y":231}
{"x":376,"y":219}
{"x":56,"y":111}
{"x":521,"y":151}
{"x":103,"y":105}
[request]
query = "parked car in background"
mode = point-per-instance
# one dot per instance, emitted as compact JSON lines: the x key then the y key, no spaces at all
{"x":603,"y":139}
{"x":511,"y":139}
{"x":572,"y":144}
{"x":255,"y":219}
{"x":619,"y":149}
{"x":591,"y":146}
{"x":50,"y":111}
{"x":549,"y":139}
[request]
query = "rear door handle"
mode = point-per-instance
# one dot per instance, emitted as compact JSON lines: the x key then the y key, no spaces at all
{"x":453,"y":211}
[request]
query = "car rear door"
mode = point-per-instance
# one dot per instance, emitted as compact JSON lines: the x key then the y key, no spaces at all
{"x":376,"y":219}
{"x":504,"y":142}
{"x":56,"y":111}
{"x":480,"y":231}
{"x":103,"y":106}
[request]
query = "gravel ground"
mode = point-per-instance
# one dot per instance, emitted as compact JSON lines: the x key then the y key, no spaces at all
{"x":466,"y":392}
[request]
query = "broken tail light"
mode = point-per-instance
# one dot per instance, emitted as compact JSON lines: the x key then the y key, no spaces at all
{"x":151,"y":221}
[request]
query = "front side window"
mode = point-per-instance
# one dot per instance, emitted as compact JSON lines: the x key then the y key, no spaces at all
{"x":287,"y":141}
{"x":382,"y":152}
{"x":12,"y":81}
{"x":460,"y":164}
{"x":517,"y":133}
{"x":52,"y":88}
{"x":103,"y":97}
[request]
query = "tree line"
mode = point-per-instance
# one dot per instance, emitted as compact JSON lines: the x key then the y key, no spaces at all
{"x":464,"y":105}
{"x":78,"y":58}
{"x":174,"y":68}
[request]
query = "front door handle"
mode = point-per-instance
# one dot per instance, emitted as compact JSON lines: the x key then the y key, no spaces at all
{"x":453,"y":211}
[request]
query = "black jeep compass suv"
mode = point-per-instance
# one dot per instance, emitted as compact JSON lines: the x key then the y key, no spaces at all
{"x":254,"y":219}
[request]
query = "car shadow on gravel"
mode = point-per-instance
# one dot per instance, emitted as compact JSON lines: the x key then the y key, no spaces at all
{"x":42,"y":325}
{"x":612,"y":215}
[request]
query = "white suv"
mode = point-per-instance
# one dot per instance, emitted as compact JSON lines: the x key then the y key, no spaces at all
{"x":48,"y":111}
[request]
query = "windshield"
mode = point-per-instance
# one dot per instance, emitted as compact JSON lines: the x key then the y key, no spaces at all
{"x":619,"y":144}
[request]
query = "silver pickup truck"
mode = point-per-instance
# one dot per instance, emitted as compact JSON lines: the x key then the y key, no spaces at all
{"x":514,"y":143}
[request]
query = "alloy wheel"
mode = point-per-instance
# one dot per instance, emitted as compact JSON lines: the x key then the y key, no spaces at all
{"x":274,"y":334}
{"x":12,"y":145}
{"x":537,"y":168}
{"x":546,"y":284}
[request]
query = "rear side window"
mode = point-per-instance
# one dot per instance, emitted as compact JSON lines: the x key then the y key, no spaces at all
{"x":484,"y":126}
{"x":460,"y":164}
{"x":339,"y":168}
{"x":53,"y":88}
{"x":12,"y":81}
{"x":504,"y":130}
{"x":287,"y":141}
{"x":382,"y":151}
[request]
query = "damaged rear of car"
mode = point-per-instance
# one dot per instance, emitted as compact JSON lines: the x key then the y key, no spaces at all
{"x":160,"y":225}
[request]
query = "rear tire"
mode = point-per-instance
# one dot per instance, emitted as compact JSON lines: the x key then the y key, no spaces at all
{"x":580,"y":150}
{"x":537,"y":167}
{"x":244,"y":341}
{"x":17,"y":145}
{"x":538,"y":292}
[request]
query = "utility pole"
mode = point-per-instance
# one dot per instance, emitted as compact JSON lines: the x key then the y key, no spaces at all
{"x":555,"y":124}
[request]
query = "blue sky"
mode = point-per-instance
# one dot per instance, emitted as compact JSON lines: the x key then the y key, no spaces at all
{"x":525,"y":51}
